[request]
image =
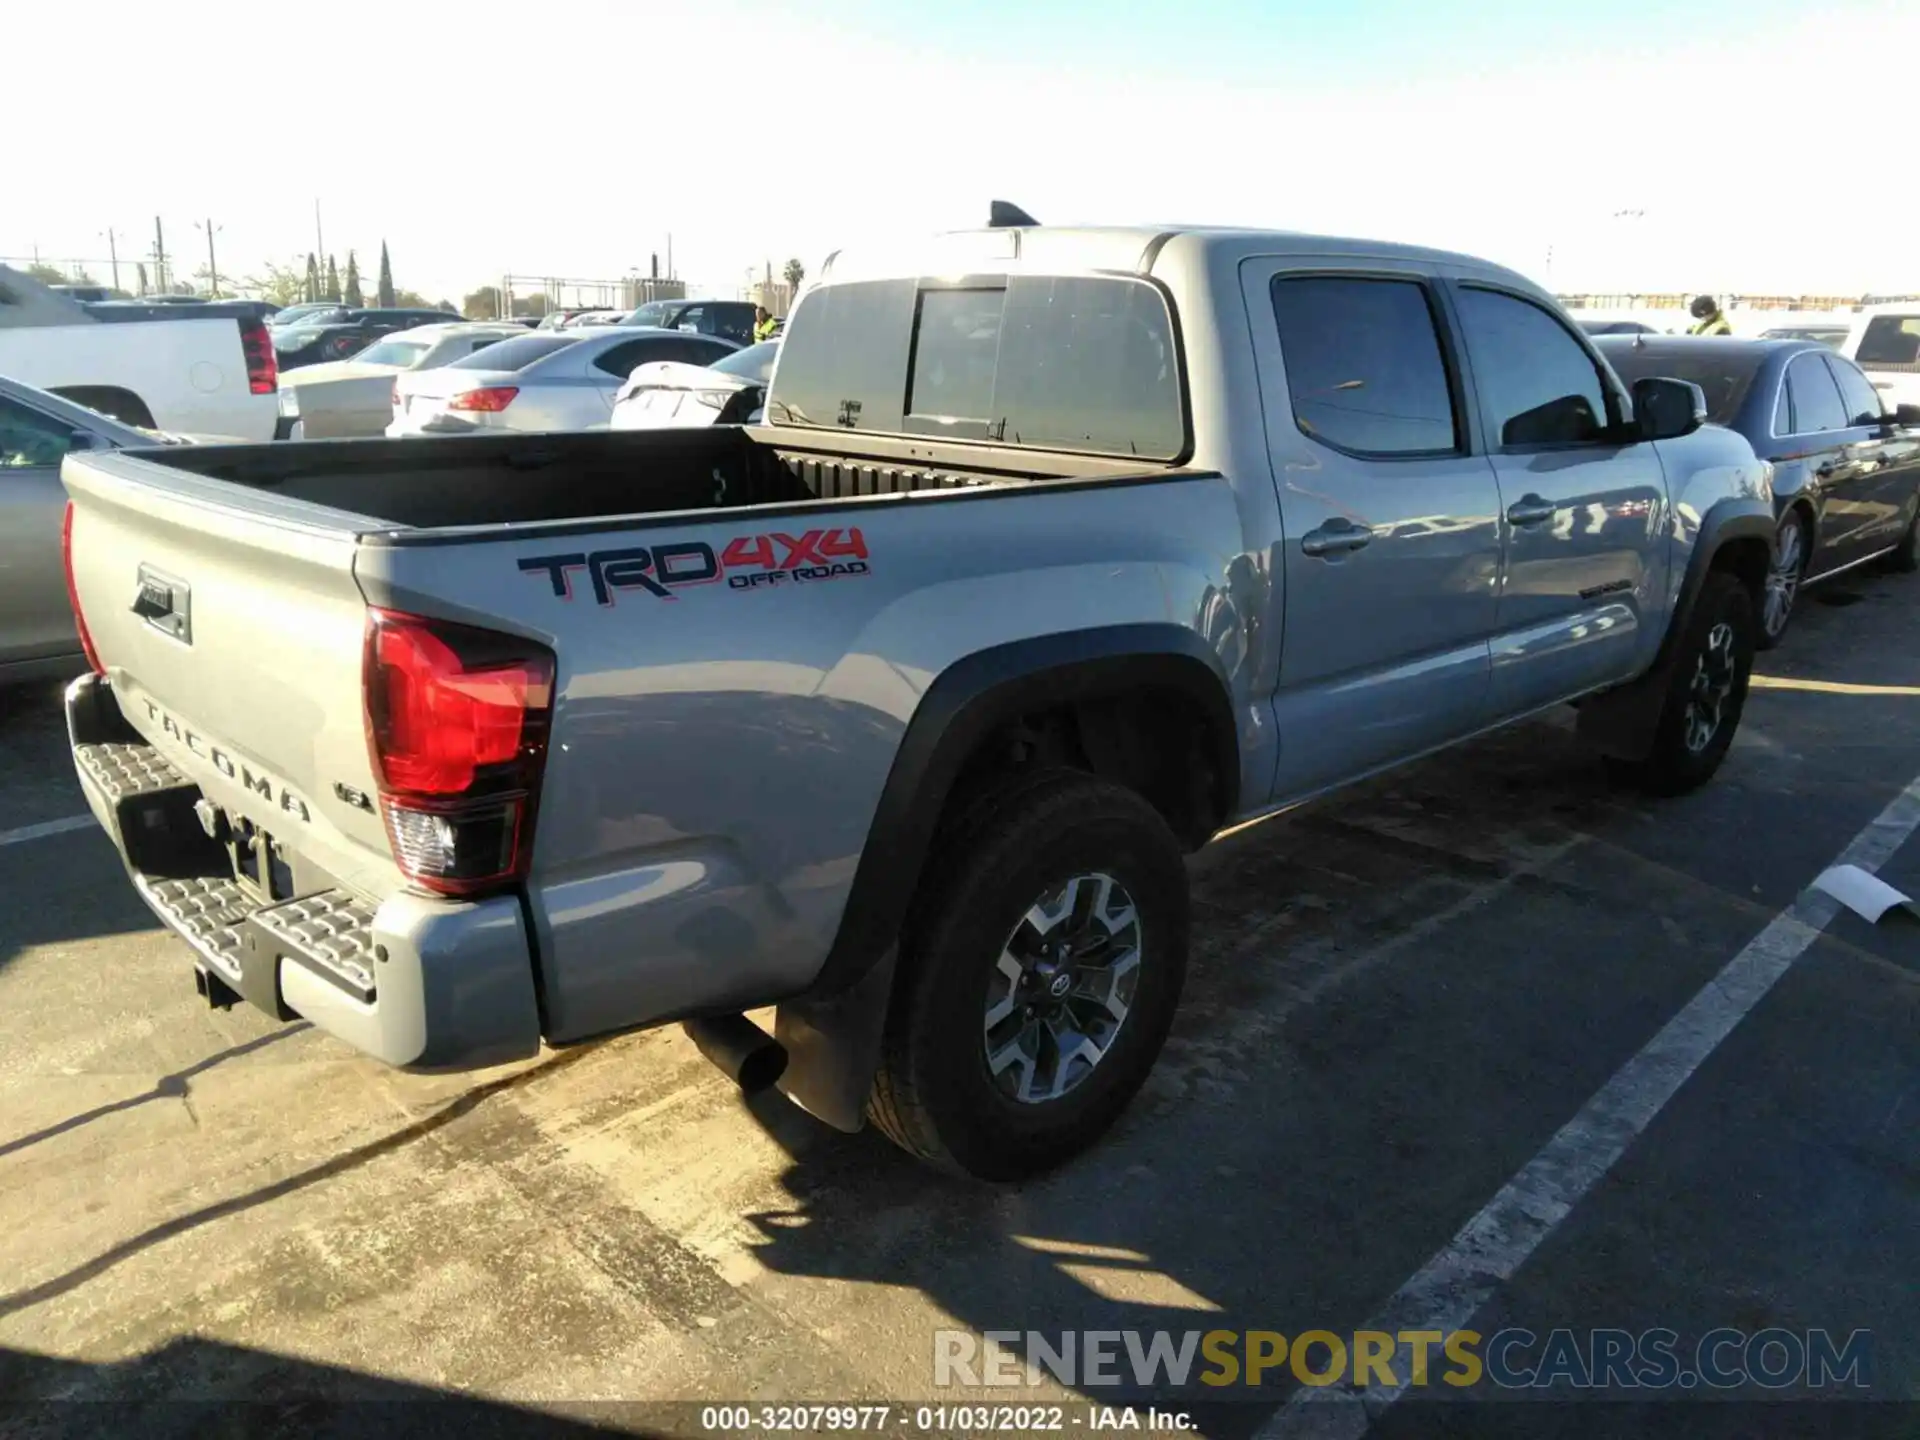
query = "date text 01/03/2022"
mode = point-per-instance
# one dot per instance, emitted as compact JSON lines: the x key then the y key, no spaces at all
{"x":938,"y":1419}
{"x":746,"y":562}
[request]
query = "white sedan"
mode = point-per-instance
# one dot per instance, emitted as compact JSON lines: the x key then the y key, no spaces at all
{"x":540,"y":380}
{"x":728,"y":392}
{"x":341,"y":398}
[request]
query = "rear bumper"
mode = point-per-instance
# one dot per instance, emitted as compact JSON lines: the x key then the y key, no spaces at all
{"x":412,"y":980}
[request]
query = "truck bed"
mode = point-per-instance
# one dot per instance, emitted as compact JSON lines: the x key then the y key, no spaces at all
{"x":461,"y":481}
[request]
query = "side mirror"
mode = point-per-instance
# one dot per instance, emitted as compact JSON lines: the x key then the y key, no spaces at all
{"x":1668,"y":409}
{"x":1906,"y":415}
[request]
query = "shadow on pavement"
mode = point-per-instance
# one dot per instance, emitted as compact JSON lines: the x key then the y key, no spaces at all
{"x":167,"y":1087}
{"x":195,"y":1388}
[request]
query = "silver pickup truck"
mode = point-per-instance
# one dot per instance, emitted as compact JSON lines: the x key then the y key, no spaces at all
{"x":1060,"y":551}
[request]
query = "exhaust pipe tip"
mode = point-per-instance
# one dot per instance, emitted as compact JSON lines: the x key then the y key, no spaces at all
{"x":740,"y":1049}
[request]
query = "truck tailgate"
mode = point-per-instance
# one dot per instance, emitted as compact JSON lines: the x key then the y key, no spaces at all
{"x":231,"y":628}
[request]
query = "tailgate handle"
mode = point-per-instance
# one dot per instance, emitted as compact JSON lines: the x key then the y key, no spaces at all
{"x":153,"y":601}
{"x":165,"y":603}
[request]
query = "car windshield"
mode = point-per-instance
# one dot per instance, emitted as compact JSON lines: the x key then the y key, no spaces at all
{"x":517,"y":353}
{"x":654,"y":312}
{"x":754,"y":363}
{"x":403,"y":353}
{"x":1723,"y":376}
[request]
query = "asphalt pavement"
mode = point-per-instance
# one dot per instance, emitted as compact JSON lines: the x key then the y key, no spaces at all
{"x":1398,"y":1002}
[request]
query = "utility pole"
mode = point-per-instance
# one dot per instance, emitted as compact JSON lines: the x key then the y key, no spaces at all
{"x":319,"y":239}
{"x":114,"y":256}
{"x":159,"y":257}
{"x":213,"y":271}
{"x":669,"y":255}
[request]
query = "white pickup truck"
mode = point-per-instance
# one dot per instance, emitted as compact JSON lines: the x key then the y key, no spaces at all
{"x":205,"y":369}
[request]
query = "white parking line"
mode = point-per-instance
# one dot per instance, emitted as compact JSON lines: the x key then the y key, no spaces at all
{"x":44,"y":829}
{"x":1457,"y":1281}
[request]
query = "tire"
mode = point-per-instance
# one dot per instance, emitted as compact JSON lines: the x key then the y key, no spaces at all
{"x":1679,"y":760}
{"x":1792,"y":547}
{"x":1904,"y":558}
{"x":934,"y":1093}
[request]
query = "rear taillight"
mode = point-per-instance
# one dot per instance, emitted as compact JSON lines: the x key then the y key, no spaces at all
{"x":73,"y":593}
{"x":395,"y":397}
{"x":491,"y":400}
{"x":716,"y":399}
{"x":263,"y":371}
{"x":457,"y":722}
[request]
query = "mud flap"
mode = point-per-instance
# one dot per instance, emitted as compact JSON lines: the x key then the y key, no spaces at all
{"x":1621,"y":722}
{"x":833,"y":1046}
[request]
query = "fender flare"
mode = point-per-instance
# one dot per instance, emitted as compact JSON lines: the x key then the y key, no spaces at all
{"x":832,"y":1032}
{"x":1621,"y":721}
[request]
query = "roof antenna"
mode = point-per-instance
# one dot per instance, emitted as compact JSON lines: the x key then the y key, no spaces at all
{"x":1004,"y":214}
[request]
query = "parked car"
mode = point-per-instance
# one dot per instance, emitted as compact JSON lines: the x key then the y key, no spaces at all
{"x":338,"y":399}
{"x":1885,"y":343}
{"x":336,"y":336}
{"x":37,"y":431}
{"x":314,"y":310}
{"x":731,"y":391}
{"x":728,"y":319}
{"x":901,"y":710}
{"x":1831,"y":336}
{"x":1616,"y":327}
{"x":549,"y":380}
{"x":1846,"y":473}
{"x":205,"y":368}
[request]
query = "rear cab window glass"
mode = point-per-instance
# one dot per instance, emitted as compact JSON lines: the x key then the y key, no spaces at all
{"x":1079,"y":363}
{"x":1536,"y":381}
{"x":1817,"y":406}
{"x":1365,"y":371}
{"x":515,"y":354}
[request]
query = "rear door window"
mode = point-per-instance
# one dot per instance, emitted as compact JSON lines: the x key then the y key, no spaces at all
{"x":1817,"y":406}
{"x":1365,"y":370}
{"x":1862,"y":400}
{"x":515,"y":354}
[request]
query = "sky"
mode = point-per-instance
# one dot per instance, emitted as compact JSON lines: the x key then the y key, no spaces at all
{"x":1628,"y":146}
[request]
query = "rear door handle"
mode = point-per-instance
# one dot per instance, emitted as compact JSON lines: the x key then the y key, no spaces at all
{"x":1336,"y":537}
{"x":1530,"y":510}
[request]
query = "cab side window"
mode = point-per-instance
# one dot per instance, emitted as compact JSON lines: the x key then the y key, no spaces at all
{"x":1539,"y":384}
{"x":1365,"y":371}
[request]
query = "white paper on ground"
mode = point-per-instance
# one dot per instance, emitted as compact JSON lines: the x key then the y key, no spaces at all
{"x":1866,"y":895}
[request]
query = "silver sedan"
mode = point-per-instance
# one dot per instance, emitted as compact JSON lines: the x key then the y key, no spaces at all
{"x":37,"y":430}
{"x":546,"y":380}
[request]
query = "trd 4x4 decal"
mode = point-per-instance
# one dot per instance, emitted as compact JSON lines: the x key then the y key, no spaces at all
{"x":746,"y":562}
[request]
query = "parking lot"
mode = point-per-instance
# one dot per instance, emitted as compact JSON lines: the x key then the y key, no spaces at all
{"x":1396,"y":1000}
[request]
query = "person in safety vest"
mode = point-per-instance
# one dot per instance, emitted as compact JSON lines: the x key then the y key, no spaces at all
{"x":1708,"y":318}
{"x":763,"y":323}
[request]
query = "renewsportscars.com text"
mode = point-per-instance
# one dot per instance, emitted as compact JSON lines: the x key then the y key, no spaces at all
{"x":1509,"y":1359}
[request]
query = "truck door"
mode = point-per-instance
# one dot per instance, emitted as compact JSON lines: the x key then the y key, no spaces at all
{"x":35,"y":619}
{"x":1391,"y":545}
{"x":1583,"y":512}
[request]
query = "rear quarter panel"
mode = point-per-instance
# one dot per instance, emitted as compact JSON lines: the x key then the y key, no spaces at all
{"x":718,"y":754}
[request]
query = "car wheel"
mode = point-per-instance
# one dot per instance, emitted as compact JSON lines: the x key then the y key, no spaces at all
{"x":1707,"y":691}
{"x":1904,"y":558}
{"x":1791,"y":547}
{"x":1040,"y":969}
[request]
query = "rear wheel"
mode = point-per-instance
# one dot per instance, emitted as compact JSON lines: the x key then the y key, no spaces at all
{"x":1791,"y":547}
{"x":1038,"y":979}
{"x":1706,"y":693}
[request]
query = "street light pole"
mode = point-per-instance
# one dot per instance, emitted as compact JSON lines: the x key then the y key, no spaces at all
{"x":113,"y":257}
{"x":213,"y":270}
